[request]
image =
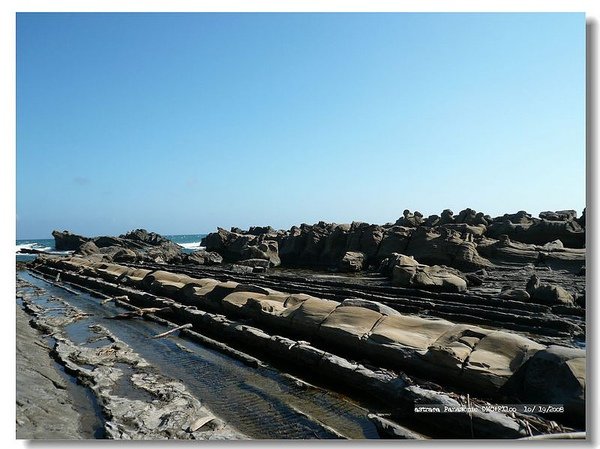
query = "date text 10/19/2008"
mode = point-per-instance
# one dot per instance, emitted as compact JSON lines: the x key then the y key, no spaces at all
{"x":502,"y":408}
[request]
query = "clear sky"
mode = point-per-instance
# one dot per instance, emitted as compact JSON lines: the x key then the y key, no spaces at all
{"x":179,"y":123}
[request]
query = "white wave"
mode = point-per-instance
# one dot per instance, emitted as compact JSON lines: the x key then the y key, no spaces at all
{"x":192,"y":245}
{"x":41,"y":247}
{"x":61,"y":253}
{"x":36,"y":246}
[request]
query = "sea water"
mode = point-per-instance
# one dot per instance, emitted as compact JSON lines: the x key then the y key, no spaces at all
{"x":188,"y":242}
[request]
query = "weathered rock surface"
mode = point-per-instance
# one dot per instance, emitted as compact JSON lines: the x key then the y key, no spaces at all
{"x":45,"y":410}
{"x":552,"y":254}
{"x":66,"y":241}
{"x":88,"y":248}
{"x":352,"y":261}
{"x":465,"y":241}
{"x":555,"y":375}
{"x":525,"y":229}
{"x":548,"y":294}
{"x":516,"y":294}
{"x":168,"y":409}
{"x":203,"y":257}
{"x":137,"y":245}
{"x":480,"y":360}
{"x":445,"y":247}
{"x":172,"y":411}
{"x":407,"y":272}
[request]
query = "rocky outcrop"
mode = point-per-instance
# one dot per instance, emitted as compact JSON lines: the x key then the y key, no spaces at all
{"x":479,"y":360}
{"x":444,"y":246}
{"x":87,"y":249}
{"x":352,"y":261}
{"x":410,"y":220}
{"x":559,"y":215}
{"x":395,"y":240}
{"x":515,"y":294}
{"x":325,"y":245}
{"x":238,"y":245}
{"x":548,"y":294}
{"x":555,"y":375}
{"x":336,"y":244}
{"x":66,"y":241}
{"x":552,"y":254}
{"x":264,"y":249}
{"x":137,"y":245}
{"x":256,"y":265}
{"x":407,"y":272}
{"x":466,"y":241}
{"x":203,"y":257}
{"x":521,"y":227}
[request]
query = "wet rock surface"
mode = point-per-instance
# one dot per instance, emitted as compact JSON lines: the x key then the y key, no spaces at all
{"x":236,"y":387}
{"x":151,"y":406}
{"x":44,"y":406}
{"x":167,"y":409}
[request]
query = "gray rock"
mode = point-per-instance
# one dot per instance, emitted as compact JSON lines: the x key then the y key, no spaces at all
{"x":372,"y":305}
{"x":66,"y":241}
{"x":443,"y":246}
{"x":124,"y":255}
{"x":552,"y":295}
{"x":203,"y":257}
{"x":266,"y":249}
{"x":516,"y":294}
{"x":254,"y":263}
{"x":474,"y":279}
{"x":407,"y":272}
{"x":241,"y":269}
{"x":557,"y":375}
{"x":352,"y":262}
{"x":87,"y":248}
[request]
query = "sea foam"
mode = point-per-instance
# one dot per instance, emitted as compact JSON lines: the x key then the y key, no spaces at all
{"x":192,"y":245}
{"x":33,"y":245}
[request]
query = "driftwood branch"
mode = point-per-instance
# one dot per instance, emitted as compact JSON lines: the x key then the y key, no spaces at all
{"x":175,"y":329}
{"x":197,"y":424}
{"x":139,"y":313}
{"x":115,"y":298}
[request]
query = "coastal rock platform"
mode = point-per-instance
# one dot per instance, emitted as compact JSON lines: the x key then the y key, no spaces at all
{"x":300,"y":328}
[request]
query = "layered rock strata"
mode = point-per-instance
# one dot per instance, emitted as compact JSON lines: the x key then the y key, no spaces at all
{"x":482,"y":361}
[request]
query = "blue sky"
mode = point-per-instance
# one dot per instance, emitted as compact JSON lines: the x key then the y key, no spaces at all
{"x":179,"y":123}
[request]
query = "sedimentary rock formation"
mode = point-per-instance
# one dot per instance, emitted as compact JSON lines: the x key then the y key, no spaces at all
{"x":468,"y":241}
{"x":135,"y":245}
{"x":168,"y":409}
{"x":407,"y":272}
{"x":483,"y":361}
{"x":203,"y":257}
{"x":65,"y":241}
{"x":546,"y":293}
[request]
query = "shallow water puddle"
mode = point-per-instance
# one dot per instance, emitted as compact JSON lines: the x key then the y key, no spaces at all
{"x":260,"y":402}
